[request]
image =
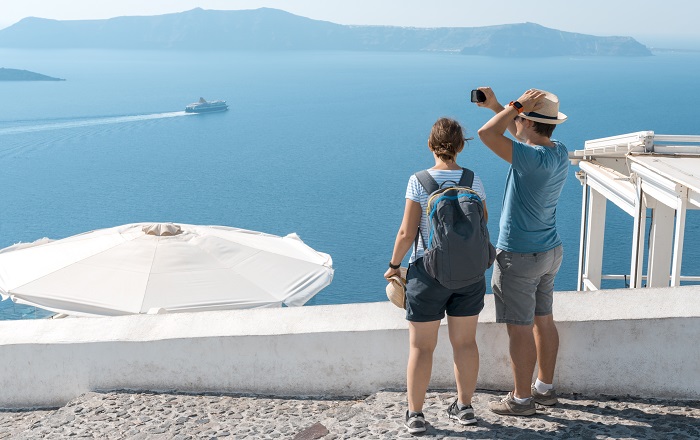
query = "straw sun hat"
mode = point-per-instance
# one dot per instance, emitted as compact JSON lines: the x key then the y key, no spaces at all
{"x":396,"y":289}
{"x":549,"y":112}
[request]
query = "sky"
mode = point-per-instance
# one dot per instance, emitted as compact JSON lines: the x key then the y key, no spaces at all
{"x":655,"y":23}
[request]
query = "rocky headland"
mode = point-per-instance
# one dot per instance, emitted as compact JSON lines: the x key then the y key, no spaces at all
{"x":24,"y":75}
{"x":273,"y":29}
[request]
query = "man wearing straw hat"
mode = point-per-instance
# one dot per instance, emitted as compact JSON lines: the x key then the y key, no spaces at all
{"x":529,"y":248}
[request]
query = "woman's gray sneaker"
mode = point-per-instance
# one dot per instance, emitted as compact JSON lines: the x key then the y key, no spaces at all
{"x":415,"y":422}
{"x":465,"y":416}
{"x":509,"y":407}
{"x":547,"y":399}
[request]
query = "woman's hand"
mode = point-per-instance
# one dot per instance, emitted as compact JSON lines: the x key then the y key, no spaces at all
{"x":391,"y":272}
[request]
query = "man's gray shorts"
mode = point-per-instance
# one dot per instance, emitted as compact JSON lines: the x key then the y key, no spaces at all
{"x":523,"y":285}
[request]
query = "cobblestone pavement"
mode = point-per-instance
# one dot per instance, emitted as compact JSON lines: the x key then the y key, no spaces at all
{"x":147,"y":415}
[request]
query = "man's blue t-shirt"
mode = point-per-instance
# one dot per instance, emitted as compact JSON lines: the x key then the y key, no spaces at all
{"x":535,"y":180}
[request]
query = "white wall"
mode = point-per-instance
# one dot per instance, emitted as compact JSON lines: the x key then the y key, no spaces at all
{"x":639,"y":342}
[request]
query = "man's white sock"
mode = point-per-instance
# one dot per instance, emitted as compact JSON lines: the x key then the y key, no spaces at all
{"x":521,"y":401}
{"x":542,"y":387}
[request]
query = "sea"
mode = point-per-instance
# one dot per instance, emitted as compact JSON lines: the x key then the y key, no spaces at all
{"x":317,"y":143}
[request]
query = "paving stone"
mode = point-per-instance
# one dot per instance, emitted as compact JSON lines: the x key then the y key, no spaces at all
{"x":155,"y":416}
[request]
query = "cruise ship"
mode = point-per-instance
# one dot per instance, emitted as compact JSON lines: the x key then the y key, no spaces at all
{"x":204,"y":106}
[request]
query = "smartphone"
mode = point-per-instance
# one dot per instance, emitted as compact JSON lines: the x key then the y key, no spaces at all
{"x":478,"y":96}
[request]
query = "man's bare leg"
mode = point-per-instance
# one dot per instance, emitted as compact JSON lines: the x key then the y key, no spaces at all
{"x":523,"y":356}
{"x":547,"y":342}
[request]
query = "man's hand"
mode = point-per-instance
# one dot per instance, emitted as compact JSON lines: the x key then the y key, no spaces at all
{"x":490,"y":102}
{"x":531,"y":100}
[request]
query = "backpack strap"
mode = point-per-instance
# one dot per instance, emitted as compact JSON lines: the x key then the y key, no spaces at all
{"x":415,"y":242}
{"x":427,"y":181}
{"x":430,"y":186}
{"x":467,"y":178}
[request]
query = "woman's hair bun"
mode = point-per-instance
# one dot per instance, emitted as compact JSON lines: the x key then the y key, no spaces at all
{"x":446,"y":139}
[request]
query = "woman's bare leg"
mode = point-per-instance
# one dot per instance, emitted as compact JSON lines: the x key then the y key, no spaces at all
{"x":423,"y":339}
{"x":465,"y":352}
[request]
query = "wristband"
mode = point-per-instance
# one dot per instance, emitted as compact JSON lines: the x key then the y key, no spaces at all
{"x":517,"y":106}
{"x":392,"y":266}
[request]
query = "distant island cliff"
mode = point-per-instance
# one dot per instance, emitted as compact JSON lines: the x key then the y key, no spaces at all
{"x":24,"y":75}
{"x":272,"y":29}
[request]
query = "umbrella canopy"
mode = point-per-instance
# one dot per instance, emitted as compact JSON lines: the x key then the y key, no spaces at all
{"x":155,"y":267}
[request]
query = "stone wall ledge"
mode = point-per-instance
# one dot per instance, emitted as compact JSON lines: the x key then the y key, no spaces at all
{"x":616,"y":342}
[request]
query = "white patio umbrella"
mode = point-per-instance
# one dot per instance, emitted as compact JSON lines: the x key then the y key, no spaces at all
{"x":163,"y":267}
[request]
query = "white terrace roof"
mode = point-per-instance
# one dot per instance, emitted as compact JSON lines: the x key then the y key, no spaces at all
{"x":638,"y":171}
{"x":670,"y":174}
{"x":639,"y":142}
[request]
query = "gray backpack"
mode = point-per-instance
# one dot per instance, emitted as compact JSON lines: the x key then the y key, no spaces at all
{"x":459,"y":249}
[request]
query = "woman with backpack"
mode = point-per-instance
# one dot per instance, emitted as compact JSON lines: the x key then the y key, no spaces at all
{"x":427,"y":300}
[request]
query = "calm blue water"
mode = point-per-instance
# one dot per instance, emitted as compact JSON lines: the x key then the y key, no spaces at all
{"x":318,"y":143}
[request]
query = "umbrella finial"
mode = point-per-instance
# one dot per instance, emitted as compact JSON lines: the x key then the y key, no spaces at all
{"x":162,"y":229}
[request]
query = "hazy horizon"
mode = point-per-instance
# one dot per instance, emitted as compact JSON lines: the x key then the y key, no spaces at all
{"x":668,"y":24}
